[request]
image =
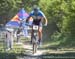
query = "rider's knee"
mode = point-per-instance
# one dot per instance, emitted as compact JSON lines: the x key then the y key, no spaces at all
{"x":40,"y":30}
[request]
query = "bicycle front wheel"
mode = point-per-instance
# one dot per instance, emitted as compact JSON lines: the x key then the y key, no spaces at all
{"x":34,"y":48}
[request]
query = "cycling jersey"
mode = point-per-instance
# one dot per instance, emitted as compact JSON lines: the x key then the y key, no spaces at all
{"x":37,"y":16}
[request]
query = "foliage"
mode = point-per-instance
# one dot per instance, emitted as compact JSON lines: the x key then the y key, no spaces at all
{"x":7,"y":7}
{"x":60,"y":15}
{"x":61,"y":12}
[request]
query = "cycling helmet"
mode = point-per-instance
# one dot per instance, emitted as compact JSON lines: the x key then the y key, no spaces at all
{"x":35,"y":8}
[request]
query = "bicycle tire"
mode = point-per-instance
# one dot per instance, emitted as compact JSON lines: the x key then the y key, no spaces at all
{"x":34,"y":48}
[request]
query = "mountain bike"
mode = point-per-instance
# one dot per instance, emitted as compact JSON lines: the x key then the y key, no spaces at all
{"x":34,"y":39}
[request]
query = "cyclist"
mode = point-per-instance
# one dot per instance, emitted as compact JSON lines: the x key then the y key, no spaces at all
{"x":38,"y":17}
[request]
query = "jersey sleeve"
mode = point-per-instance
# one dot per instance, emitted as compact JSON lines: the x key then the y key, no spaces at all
{"x":31,"y":13}
{"x":42,"y":14}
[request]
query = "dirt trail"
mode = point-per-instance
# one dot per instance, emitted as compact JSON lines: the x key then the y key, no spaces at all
{"x":28,"y":49}
{"x":28,"y":52}
{"x":40,"y":53}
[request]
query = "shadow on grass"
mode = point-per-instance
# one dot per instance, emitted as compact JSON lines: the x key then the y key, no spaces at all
{"x":9,"y":55}
{"x":67,"y":54}
{"x":17,"y":56}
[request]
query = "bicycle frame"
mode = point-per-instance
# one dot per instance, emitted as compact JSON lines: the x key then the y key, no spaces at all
{"x":35,"y":29}
{"x":35,"y":33}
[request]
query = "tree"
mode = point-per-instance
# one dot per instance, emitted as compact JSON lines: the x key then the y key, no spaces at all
{"x":7,"y":7}
{"x":61,"y":12}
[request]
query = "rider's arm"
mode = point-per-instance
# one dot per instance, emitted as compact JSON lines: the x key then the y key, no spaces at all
{"x":46,"y":21}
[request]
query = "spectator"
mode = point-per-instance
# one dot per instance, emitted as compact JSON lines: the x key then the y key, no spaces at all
{"x":9,"y":39}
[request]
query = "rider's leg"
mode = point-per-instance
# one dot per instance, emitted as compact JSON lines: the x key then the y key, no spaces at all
{"x":40,"y":34}
{"x":31,"y":34}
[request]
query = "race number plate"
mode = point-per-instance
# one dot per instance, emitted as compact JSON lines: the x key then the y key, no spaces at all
{"x":35,"y":27}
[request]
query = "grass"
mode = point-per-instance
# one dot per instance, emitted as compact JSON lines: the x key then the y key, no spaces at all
{"x":19,"y":51}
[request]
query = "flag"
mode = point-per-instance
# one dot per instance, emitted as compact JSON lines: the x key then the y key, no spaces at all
{"x":14,"y":22}
{"x":22,"y":14}
{"x":15,"y":18}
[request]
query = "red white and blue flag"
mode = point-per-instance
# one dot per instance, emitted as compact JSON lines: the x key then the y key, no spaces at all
{"x":15,"y":21}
